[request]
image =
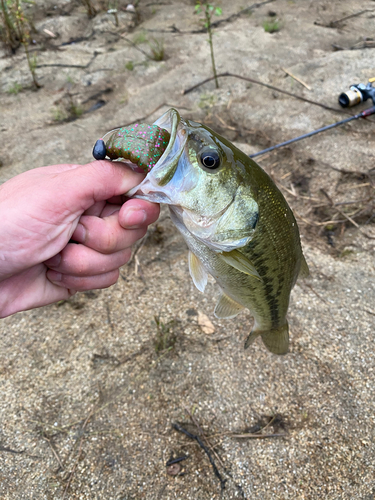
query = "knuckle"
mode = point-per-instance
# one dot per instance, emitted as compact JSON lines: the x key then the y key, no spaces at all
{"x":140,"y":233}
{"x":109,"y":243}
{"x":112,"y":278}
{"x":127,"y":255}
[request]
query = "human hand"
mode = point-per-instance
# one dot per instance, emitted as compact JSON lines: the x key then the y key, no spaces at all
{"x":44,"y":209}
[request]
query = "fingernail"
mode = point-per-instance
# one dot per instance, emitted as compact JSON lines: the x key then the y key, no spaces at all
{"x":134,"y":218}
{"x":79,"y":233}
{"x":54,"y":276}
{"x":53,"y":261}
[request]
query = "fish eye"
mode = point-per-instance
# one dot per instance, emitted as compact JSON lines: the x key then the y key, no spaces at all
{"x":210,"y":159}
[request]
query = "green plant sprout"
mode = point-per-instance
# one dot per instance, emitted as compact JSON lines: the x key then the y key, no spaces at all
{"x":157,"y":49}
{"x":8,"y":30}
{"x":90,"y":9}
{"x":112,"y":9}
{"x":17,"y":31}
{"x":165,"y":336}
{"x":209,"y":10}
{"x":271,"y":26}
{"x":140,"y":38}
{"x":15,"y":88}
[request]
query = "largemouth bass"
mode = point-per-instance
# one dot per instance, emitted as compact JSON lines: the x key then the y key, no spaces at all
{"x":235,"y":221}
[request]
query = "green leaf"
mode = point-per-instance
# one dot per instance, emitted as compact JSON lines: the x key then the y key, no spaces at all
{"x":218,"y":11}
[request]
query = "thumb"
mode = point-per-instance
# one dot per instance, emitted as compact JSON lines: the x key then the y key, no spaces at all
{"x":84,"y":185}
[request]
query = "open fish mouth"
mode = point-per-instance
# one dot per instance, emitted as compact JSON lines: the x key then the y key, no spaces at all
{"x":151,"y":188}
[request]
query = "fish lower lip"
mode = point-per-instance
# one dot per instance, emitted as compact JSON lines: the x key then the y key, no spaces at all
{"x":154,"y":197}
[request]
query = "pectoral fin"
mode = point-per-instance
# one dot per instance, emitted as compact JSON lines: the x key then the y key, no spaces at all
{"x":276,"y":340}
{"x":240,"y":262}
{"x":227,"y":308}
{"x":197,"y":272}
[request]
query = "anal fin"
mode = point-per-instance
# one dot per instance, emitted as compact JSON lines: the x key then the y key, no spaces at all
{"x":198,"y":273}
{"x":276,"y":340}
{"x":227,"y":308}
{"x":304,"y":269}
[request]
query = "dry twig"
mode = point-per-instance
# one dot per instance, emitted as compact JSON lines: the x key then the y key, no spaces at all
{"x":195,"y":422}
{"x":347,"y":217}
{"x":205,"y":449}
{"x":143,"y":118}
{"x":333,"y":24}
{"x":78,"y":455}
{"x":296,"y":78}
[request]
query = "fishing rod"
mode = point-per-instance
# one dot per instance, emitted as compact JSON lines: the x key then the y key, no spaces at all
{"x":355,"y":95}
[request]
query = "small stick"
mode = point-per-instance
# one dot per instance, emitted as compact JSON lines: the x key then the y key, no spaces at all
{"x":58,"y":65}
{"x":257,"y":82}
{"x":135,"y":46}
{"x":347,"y":216}
{"x":354,"y":202}
{"x":205,"y":449}
{"x":143,"y":118}
{"x":310,"y":198}
{"x":333,"y":23}
{"x":9,"y":450}
{"x":255,"y":436}
{"x":52,"y":35}
{"x":194,"y":420}
{"x":54,"y":451}
{"x":269,"y":423}
{"x":316,"y":293}
{"x":109,"y":317}
{"x":175,"y":460}
{"x":368,"y":44}
{"x":317,"y":224}
{"x":79,"y":454}
{"x":225,"y":124}
{"x":296,"y":78}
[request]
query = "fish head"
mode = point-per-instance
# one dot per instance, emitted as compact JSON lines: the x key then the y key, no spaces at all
{"x":203,"y":178}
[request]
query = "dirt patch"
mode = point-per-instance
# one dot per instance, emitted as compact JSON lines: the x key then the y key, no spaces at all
{"x":90,"y":388}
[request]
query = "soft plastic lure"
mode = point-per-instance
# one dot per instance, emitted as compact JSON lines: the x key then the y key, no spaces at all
{"x":142,"y":144}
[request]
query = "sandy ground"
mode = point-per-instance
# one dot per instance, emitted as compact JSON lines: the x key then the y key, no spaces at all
{"x":90,"y":388}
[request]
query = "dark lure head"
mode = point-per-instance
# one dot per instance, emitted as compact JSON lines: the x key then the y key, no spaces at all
{"x":99,"y":152}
